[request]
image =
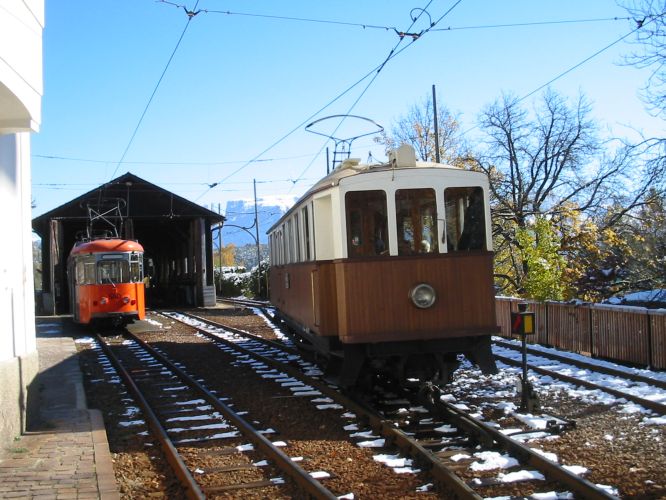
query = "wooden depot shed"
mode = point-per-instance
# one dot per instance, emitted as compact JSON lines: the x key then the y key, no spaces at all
{"x":175,"y":233}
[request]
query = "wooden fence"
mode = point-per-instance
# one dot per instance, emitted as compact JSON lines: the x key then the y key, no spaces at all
{"x":633,"y":335}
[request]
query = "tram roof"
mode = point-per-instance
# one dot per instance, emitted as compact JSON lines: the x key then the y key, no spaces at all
{"x":106,"y":245}
{"x":353,"y":167}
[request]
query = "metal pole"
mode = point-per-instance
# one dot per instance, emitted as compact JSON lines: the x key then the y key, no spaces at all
{"x":219,"y":238}
{"x":256,"y":228}
{"x":434,"y":111}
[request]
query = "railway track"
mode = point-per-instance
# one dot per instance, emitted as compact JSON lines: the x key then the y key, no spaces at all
{"x":202,"y":437}
{"x":245,"y":302}
{"x":618,"y":383}
{"x":437,"y":436}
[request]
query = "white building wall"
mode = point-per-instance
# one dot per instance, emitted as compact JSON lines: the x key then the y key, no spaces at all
{"x":21,"y":25}
{"x":21,"y":87}
{"x":16,"y":274}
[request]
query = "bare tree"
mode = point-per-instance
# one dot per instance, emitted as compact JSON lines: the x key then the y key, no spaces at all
{"x":541,"y":164}
{"x":417,"y":129}
{"x":650,"y":18}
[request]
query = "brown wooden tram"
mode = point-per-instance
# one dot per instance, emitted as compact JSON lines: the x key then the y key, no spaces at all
{"x":389,"y":268}
{"x":106,"y":281}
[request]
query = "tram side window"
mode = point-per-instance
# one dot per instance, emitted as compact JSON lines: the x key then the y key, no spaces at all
{"x":416,"y":211}
{"x":85,"y":272}
{"x":271,"y":248}
{"x":465,"y":219}
{"x":306,"y":234}
{"x":136,"y":268}
{"x":112,"y":272}
{"x":297,"y":239}
{"x":367,"y":225}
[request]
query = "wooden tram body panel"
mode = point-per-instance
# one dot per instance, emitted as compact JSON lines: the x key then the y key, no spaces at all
{"x":106,"y":281}
{"x":307,"y":292}
{"x":373,"y":305}
{"x":365,"y":301}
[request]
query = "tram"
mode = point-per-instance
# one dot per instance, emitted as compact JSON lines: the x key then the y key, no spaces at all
{"x":106,"y":281}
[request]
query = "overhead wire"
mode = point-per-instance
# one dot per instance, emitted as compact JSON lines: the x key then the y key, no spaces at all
{"x":339,"y":96}
{"x":533,"y":23}
{"x":387,"y":27}
{"x":194,"y":12}
{"x":150,"y":100}
{"x":138,"y":162}
{"x":392,"y":53}
{"x":375,"y":72}
{"x":567,"y":71}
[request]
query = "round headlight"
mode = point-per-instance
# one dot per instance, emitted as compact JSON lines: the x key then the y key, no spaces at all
{"x":423,"y":295}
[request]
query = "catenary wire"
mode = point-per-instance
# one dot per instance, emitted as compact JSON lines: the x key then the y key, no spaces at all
{"x":312,"y":20}
{"x":150,"y":100}
{"x":392,"y":28}
{"x":415,"y":37}
{"x":202,"y":163}
{"x":565,"y":72}
{"x":374,"y":71}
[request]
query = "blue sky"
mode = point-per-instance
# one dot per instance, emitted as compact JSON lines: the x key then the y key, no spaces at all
{"x":241,"y":87}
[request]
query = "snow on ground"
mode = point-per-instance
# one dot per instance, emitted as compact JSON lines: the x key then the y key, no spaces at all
{"x":639,"y":389}
{"x":658,"y":375}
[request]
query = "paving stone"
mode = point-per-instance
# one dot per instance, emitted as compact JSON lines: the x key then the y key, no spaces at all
{"x":66,"y":455}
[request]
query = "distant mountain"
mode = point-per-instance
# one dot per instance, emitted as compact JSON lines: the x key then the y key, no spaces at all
{"x":240,"y":214}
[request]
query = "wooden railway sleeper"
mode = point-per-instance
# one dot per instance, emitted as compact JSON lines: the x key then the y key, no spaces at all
{"x":440,"y":472}
{"x":192,"y":489}
{"x":521,"y":452}
{"x":310,"y":485}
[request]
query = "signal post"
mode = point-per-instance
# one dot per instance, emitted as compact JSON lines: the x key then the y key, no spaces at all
{"x":522,"y":323}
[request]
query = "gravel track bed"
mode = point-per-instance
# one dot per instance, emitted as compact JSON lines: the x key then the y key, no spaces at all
{"x":316,"y":435}
{"x":617,"y":448}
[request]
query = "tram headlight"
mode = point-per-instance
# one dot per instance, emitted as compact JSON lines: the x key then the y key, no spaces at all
{"x":103,"y":301}
{"x":126,"y":300}
{"x":423,"y":295}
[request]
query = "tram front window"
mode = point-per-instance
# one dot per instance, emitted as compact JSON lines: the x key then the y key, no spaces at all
{"x":416,"y":218}
{"x":465,"y":219}
{"x":112,"y":272}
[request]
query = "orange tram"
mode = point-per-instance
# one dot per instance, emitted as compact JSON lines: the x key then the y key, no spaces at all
{"x":388,"y":268}
{"x":106,"y":281}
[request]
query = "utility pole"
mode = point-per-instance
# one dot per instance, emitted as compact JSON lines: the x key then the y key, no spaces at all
{"x":219,"y":238}
{"x":434,"y":111}
{"x":256,"y":229}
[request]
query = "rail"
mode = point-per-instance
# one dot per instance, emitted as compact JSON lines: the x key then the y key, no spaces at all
{"x":310,"y":486}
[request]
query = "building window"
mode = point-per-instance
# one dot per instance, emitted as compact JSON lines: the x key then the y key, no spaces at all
{"x":367,"y":225}
{"x":416,"y":216}
{"x":465,"y":219}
